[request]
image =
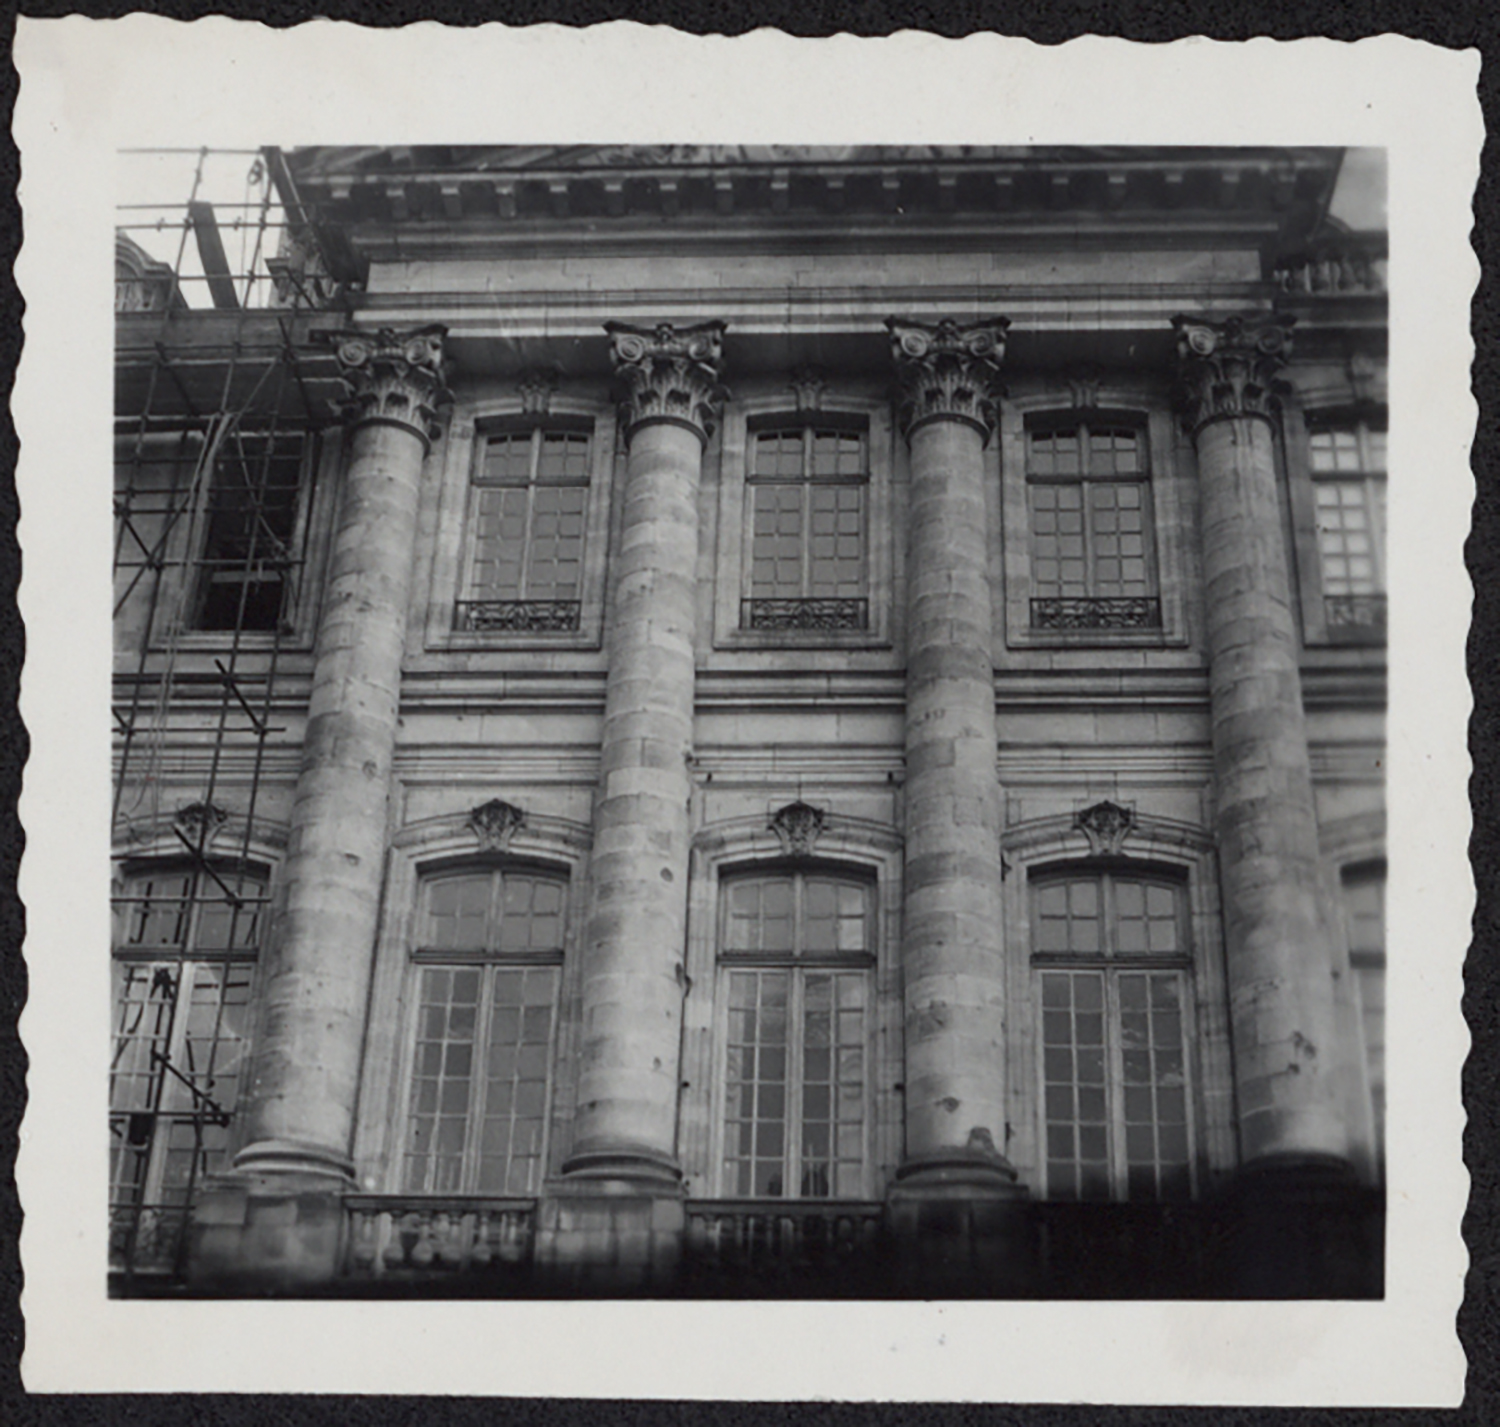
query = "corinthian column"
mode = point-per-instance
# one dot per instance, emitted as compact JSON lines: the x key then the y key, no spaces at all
{"x":1280,"y":956}
{"x":634,"y":939}
{"x":951,"y":950}
{"x":304,"y":1077}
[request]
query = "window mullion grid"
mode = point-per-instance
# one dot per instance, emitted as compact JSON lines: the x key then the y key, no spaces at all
{"x":796,"y":1035}
{"x":483,"y":1020}
{"x":1114,"y":1084}
{"x":796,"y":1020}
{"x":805,"y":502}
{"x":533,"y":474}
{"x":478,"y":1073}
{"x":153,"y":1181}
{"x":1086,"y":502}
{"x":180,"y":967}
{"x":1375,"y":509}
{"x":1114,"y":1055}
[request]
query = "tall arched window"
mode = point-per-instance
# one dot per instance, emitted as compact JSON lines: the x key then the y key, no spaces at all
{"x":796,"y":998}
{"x":186,"y":940}
{"x":485,"y":975}
{"x":1110,"y":953}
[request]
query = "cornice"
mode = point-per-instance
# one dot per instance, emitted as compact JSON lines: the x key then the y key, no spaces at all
{"x":575,"y":185}
{"x":476,"y":240}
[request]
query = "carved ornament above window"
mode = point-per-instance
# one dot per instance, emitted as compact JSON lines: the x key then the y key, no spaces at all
{"x":495,"y":823}
{"x":798,"y":826}
{"x":1106,"y":825}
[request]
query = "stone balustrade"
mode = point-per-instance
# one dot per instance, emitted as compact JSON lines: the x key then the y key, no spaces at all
{"x":795,"y":1238}
{"x":395,"y":1235}
{"x":1334,"y":271}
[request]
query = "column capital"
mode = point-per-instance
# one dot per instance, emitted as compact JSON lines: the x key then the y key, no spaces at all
{"x":1229,"y":369}
{"x":394,"y":378}
{"x":948,"y":371}
{"x":668,"y":374}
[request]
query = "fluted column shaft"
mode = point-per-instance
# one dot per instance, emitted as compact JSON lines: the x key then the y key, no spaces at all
{"x":633,"y":974}
{"x":951,"y":952}
{"x":1280,"y":946}
{"x":305,"y":1074}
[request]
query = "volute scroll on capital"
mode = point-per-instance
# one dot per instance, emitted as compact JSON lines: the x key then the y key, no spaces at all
{"x":668,"y":374}
{"x":948,"y":371}
{"x":394,"y":378}
{"x":1231,"y":368}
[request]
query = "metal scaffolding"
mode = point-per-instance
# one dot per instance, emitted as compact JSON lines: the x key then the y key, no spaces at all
{"x":221,"y":400}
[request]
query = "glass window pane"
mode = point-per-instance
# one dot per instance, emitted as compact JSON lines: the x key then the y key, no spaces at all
{"x":793,"y":1109}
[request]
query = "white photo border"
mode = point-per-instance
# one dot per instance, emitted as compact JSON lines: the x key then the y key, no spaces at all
{"x":89,"y":88}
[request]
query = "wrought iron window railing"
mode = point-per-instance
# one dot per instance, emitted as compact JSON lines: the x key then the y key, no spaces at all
{"x":1097,"y":612}
{"x":800,"y":614}
{"x":1354,"y":611}
{"x":405,"y":1235}
{"x":517,"y":616}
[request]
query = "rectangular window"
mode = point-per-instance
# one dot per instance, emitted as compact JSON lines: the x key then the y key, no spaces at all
{"x":486,"y":990}
{"x":1348,"y":473}
{"x":1114,"y":1049}
{"x":527,"y":519}
{"x":248,"y":547}
{"x":796,"y":993}
{"x":1089,"y":496}
{"x":807,"y":493}
{"x":183,"y":987}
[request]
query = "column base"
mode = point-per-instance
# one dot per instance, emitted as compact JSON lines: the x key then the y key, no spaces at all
{"x":1303,"y":1226}
{"x":961,"y":1227}
{"x":630,"y":1164}
{"x":605,"y":1230}
{"x":266,"y":1234}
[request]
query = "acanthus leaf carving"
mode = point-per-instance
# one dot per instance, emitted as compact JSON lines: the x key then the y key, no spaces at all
{"x":198,"y":823}
{"x":1231,"y":369}
{"x":948,"y":371}
{"x":1106,"y":825}
{"x":797,"y":827}
{"x":668,"y":373}
{"x":495,"y":823}
{"x":536,"y":386}
{"x":808,"y":385}
{"x":394,"y":377}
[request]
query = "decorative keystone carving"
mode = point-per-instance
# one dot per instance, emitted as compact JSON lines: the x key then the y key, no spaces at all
{"x":1229,"y":369}
{"x":394,"y":378}
{"x":536,"y":388}
{"x":809,"y":386}
{"x":1083,"y":385}
{"x":798,"y":826}
{"x":199,"y":822}
{"x":948,"y":372}
{"x":668,"y":374}
{"x":495,"y":823}
{"x":1106,"y":825}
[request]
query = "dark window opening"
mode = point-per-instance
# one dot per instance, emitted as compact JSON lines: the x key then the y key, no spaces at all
{"x":252,"y":522}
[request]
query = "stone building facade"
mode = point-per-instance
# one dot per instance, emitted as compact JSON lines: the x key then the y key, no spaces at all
{"x":757,"y":722}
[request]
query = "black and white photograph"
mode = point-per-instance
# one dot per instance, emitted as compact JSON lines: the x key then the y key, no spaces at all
{"x":706,"y":726}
